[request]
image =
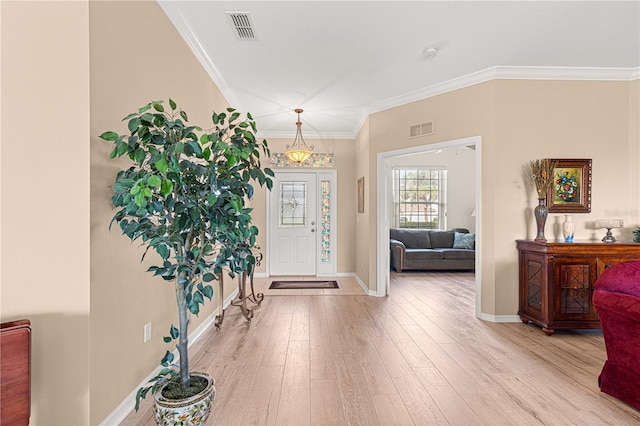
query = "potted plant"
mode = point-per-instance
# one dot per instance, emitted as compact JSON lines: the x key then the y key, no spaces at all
{"x":184,"y":197}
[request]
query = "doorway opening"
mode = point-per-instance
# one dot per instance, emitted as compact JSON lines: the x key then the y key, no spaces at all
{"x":302,"y":224}
{"x":385,"y":214}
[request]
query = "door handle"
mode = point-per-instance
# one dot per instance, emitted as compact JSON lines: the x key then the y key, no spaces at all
{"x":313,"y":223}
{"x":313,"y":230}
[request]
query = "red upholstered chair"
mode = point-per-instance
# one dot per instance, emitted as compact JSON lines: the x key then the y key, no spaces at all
{"x":617,"y":299}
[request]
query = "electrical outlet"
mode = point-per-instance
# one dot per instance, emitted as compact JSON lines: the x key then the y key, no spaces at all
{"x":147,"y":332}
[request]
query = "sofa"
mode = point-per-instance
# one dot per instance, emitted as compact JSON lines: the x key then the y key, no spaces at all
{"x":617,"y":299}
{"x":431,"y":250}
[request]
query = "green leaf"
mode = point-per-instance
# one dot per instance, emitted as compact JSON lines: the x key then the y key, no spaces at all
{"x":140,"y":155}
{"x":140,"y":200}
{"x":167,"y":359}
{"x":174,"y":332}
{"x":167,"y":339}
{"x":208,"y":292}
{"x":147,"y":107}
{"x":194,"y":308}
{"x":166,"y":188}
{"x":184,"y":115}
{"x":154,"y":181}
{"x":158,"y":107}
{"x":163,"y":251}
{"x":161,"y":165}
{"x":197,"y":149}
{"x":172,"y":104}
{"x":109,"y":136}
{"x":133,"y":124}
{"x":208,"y":277}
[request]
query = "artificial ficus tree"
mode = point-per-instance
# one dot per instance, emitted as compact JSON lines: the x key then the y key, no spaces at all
{"x":184,"y":197}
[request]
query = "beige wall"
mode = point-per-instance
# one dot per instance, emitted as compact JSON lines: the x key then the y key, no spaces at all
{"x":45,"y":199}
{"x":363,"y":264}
{"x":344,"y":158}
{"x":520,"y":120}
{"x":458,"y":114}
{"x":136,"y":56}
{"x":634,"y":153}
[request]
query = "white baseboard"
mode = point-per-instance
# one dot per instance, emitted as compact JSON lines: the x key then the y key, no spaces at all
{"x":359,"y":281}
{"x":499,"y":318}
{"x":118,"y":415}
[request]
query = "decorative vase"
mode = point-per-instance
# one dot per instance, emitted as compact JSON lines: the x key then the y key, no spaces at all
{"x":188,"y":411}
{"x":541,"y":212}
{"x":568,"y":228}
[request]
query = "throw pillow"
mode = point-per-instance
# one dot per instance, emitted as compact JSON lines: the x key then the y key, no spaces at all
{"x":464,"y":241}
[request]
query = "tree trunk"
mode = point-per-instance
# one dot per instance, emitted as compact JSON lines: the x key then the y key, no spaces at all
{"x":183,"y":339}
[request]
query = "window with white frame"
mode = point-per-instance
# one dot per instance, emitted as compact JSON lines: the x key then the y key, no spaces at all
{"x":419,"y":197}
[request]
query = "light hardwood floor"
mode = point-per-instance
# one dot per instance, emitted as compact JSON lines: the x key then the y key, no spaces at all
{"x":419,"y":356}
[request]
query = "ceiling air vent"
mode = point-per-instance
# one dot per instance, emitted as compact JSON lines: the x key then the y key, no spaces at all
{"x":421,"y":129}
{"x":242,"y":27}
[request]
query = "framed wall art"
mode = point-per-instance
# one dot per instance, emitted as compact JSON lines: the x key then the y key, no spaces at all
{"x":570,"y":191}
{"x":361,"y":195}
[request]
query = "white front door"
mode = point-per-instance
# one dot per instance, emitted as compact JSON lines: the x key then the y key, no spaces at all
{"x":292,"y":228}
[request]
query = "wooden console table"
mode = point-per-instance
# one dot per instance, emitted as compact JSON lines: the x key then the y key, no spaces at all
{"x":15,"y":368}
{"x":557,"y":280}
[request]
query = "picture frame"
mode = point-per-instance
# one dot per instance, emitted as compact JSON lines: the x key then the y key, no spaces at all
{"x":361,"y":195}
{"x":570,"y":191}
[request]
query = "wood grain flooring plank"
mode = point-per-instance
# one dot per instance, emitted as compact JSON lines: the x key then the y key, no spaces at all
{"x":326,"y":404}
{"x":358,"y":406}
{"x":420,"y":405}
{"x":300,"y":319}
{"x":391,"y":410}
{"x":448,"y":400}
{"x":276,"y":350}
{"x":418,"y":356}
{"x":294,"y":405}
{"x":322,"y":365}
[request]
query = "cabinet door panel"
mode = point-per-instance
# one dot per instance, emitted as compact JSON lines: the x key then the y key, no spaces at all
{"x":574,"y":289}
{"x":604,"y":262}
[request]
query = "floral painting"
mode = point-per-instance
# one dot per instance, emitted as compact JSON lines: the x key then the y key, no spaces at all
{"x":570,"y":191}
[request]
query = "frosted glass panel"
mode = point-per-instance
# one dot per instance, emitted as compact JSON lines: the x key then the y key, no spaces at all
{"x":325,"y":224}
{"x":293,"y":204}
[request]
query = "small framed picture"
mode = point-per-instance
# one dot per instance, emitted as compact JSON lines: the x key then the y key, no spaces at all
{"x":361,"y":195}
{"x":570,"y":191}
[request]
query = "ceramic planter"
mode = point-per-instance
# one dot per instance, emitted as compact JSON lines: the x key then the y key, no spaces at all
{"x":189,"y":411}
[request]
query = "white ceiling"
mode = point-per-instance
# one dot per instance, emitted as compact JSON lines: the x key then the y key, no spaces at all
{"x":342,"y":60}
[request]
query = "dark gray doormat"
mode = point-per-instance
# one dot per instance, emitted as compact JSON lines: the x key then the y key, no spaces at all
{"x":295,"y":285}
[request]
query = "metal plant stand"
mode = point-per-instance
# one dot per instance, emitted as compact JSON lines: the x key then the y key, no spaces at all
{"x":242,"y":298}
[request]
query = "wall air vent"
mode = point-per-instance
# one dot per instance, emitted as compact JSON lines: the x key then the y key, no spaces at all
{"x":422,"y":129}
{"x":242,"y":27}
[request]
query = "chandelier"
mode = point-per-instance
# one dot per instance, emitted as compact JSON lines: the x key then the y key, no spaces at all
{"x":298,"y":151}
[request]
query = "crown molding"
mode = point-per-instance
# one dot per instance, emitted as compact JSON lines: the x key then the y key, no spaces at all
{"x":307,"y":135}
{"x":508,"y":73}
